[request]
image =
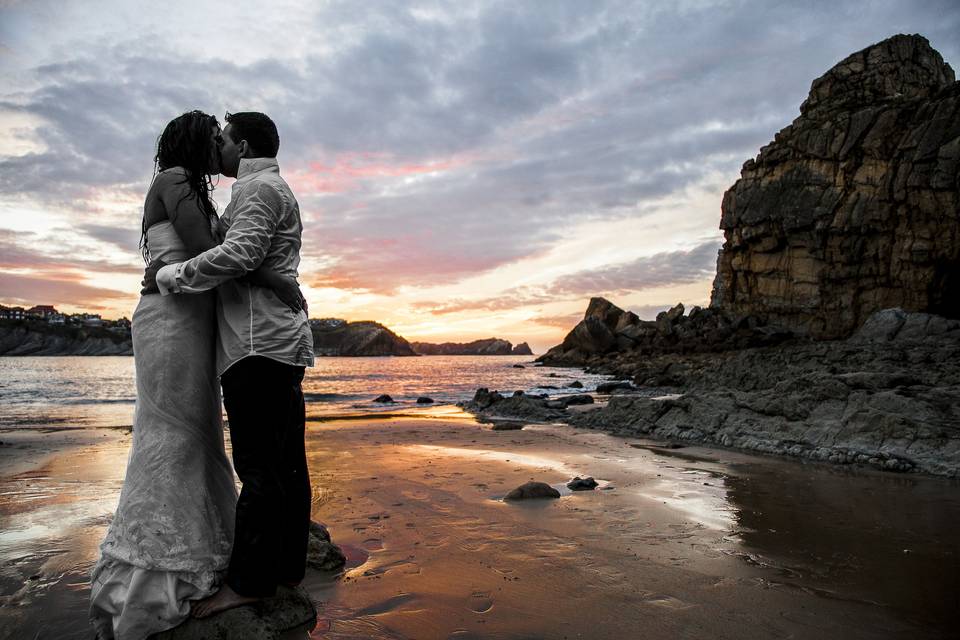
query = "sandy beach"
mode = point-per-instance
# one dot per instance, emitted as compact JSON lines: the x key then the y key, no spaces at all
{"x":674,"y":543}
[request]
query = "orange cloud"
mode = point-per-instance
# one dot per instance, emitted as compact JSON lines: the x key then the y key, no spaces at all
{"x":62,"y":289}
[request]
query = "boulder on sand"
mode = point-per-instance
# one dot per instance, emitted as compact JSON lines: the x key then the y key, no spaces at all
{"x":531,"y":490}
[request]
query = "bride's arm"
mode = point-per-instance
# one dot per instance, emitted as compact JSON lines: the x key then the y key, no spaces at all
{"x":285,"y":287}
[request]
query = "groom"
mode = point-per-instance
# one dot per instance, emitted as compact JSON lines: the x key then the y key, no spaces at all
{"x":262,"y":349}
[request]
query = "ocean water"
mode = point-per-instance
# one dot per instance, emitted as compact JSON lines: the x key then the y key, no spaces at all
{"x":84,"y":391}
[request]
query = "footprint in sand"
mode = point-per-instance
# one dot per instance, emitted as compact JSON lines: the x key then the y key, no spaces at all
{"x":480,"y":602}
{"x":667,"y":602}
{"x":389,"y":604}
{"x":373,"y":544}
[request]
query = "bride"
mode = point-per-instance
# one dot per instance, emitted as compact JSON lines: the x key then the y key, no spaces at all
{"x":170,"y":539}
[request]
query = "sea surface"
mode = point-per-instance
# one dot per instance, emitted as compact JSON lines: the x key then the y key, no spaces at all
{"x":86,"y":391}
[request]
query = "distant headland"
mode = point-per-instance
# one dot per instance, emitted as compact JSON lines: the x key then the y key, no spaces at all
{"x":42,"y":330}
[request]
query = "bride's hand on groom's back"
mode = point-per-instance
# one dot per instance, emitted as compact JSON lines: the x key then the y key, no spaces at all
{"x":149,"y":282}
{"x":288,"y":290}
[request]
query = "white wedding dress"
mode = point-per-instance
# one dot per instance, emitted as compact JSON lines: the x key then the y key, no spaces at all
{"x":170,"y":539}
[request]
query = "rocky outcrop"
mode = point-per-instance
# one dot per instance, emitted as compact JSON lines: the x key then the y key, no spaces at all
{"x":607,"y":330}
{"x":485,"y":347}
{"x":855,"y":206}
{"x":845,"y":233}
{"x":889,"y":397}
{"x":19,"y":338}
{"x":363,"y":338}
{"x":522,"y":349}
{"x":519,"y":406}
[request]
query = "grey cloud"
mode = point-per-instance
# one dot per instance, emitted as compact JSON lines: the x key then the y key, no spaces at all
{"x":17,"y":252}
{"x":124,"y":238}
{"x":659,"y":270}
{"x":509,"y":299}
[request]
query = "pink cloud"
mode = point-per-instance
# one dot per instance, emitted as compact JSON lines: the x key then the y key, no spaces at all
{"x":347,"y":169}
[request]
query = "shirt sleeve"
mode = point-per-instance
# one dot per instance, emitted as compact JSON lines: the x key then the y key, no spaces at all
{"x":255,"y":219}
{"x":167,"y":279}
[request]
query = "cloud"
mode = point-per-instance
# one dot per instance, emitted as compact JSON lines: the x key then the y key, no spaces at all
{"x":123,"y":238}
{"x":509,"y":299}
{"x":55,"y":288}
{"x":16,"y":253}
{"x":660,"y":270}
{"x":562,"y":321}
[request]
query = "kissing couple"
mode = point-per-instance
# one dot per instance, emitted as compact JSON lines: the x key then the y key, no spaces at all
{"x":220,"y":299}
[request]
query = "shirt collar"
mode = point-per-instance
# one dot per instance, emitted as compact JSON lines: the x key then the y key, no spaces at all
{"x":250,"y":166}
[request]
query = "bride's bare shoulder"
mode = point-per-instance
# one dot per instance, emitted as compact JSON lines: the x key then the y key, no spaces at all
{"x":172,"y":179}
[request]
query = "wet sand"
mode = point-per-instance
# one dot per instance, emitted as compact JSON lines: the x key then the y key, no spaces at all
{"x":675,"y":543}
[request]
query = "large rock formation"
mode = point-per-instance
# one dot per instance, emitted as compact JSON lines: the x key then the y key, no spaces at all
{"x":365,"y":338}
{"x":485,"y":347}
{"x":855,"y":206}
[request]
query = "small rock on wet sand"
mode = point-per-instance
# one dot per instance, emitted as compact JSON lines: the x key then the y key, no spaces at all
{"x":322,"y":554}
{"x":533,"y":490}
{"x":424,"y":400}
{"x":582,"y":484}
{"x":384,"y":399}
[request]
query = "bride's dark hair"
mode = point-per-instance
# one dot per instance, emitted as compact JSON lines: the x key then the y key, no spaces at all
{"x":186,"y":142}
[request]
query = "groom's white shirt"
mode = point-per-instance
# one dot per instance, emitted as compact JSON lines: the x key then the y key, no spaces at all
{"x":263,"y":227}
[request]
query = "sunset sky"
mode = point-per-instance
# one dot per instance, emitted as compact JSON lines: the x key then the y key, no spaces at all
{"x":464,"y":169}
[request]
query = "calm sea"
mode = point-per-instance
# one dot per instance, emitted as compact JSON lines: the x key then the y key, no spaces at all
{"x":82,"y":391}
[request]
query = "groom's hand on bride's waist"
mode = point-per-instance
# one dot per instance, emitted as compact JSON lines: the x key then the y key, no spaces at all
{"x":149,"y":281}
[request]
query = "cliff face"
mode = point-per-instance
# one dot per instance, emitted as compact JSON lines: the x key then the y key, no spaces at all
{"x":18,"y":339}
{"x":485,"y":347}
{"x":359,"y":339}
{"x":854,"y":207}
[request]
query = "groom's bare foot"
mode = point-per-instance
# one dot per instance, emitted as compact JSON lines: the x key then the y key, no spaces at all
{"x":225,"y":598}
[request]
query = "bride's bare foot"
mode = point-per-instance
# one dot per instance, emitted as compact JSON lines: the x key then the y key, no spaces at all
{"x":225,"y":598}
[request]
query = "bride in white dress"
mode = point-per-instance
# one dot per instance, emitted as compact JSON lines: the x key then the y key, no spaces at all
{"x":170,"y":539}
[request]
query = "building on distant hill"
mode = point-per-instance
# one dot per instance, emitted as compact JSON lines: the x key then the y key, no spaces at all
{"x":88,"y":319}
{"x":11,"y":313}
{"x":41,"y":311}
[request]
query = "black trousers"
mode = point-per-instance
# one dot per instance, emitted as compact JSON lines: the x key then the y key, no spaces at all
{"x":264,"y":403}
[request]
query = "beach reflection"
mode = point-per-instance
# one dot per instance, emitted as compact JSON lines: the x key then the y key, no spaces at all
{"x":52,"y":519}
{"x":858,"y":535}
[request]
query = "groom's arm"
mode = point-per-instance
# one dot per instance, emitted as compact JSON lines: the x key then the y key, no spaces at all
{"x":248,"y":239}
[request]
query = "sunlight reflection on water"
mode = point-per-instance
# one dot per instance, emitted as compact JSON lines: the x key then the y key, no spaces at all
{"x":83,"y":391}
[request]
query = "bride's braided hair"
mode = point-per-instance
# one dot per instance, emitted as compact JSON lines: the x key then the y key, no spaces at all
{"x":186,"y":142}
